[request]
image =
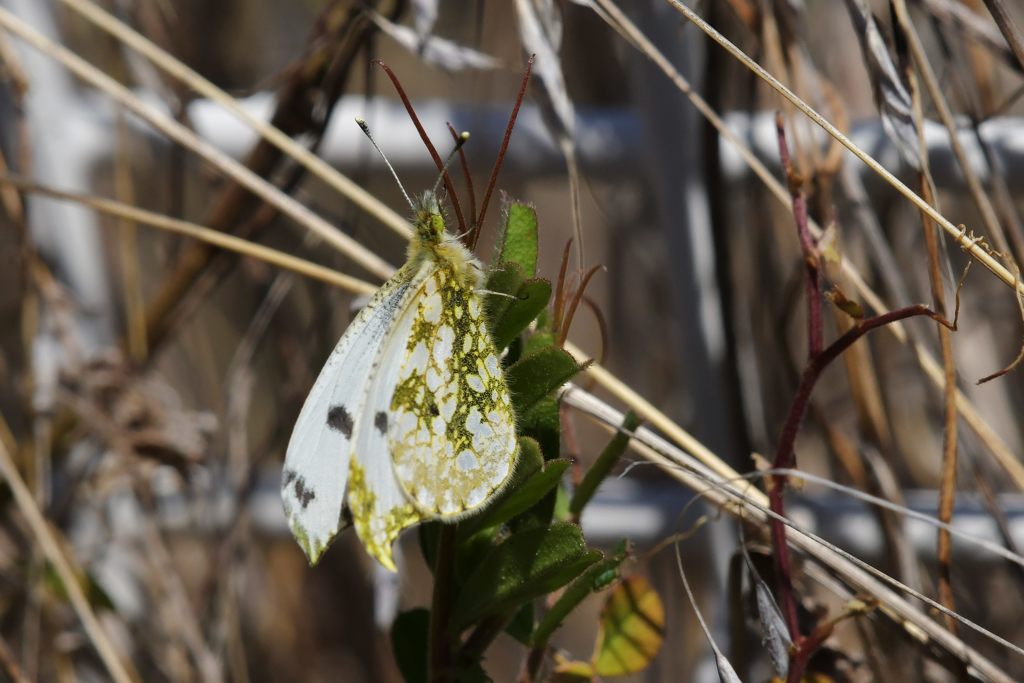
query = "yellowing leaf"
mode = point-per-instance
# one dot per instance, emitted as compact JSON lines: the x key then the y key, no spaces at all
{"x":846,"y":305}
{"x":567,"y":671}
{"x":632,"y":629}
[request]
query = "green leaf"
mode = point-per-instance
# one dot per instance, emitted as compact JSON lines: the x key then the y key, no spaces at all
{"x":539,"y":339}
{"x":529,"y":462}
{"x":516,"y":301}
{"x":602,"y":467}
{"x":632,"y":629}
{"x":597,"y":577}
{"x":528,"y":564}
{"x":525,"y":495}
{"x":543,"y":423}
{"x":567,"y":671}
{"x":530,"y":299}
{"x":505,"y":280}
{"x":473,"y":547}
{"x":535,"y":376}
{"x":518,"y":242}
{"x":409,"y":635}
{"x":521,"y":625}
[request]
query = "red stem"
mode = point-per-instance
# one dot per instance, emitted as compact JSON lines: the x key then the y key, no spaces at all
{"x":448,"y":186}
{"x":812,"y":283}
{"x":501,"y":152}
{"x":785,"y":459}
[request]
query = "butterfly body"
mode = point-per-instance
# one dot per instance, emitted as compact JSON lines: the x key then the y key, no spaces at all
{"x":410,"y":419}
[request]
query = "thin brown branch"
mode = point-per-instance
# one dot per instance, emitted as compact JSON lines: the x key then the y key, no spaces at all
{"x":947,"y":489}
{"x":577,"y":296}
{"x":46,"y":538}
{"x":1014,"y":38}
{"x":785,"y":457}
{"x":812,"y":288}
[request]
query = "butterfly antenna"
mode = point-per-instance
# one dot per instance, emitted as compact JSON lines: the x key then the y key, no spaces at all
{"x":366,"y":131}
{"x":461,"y":140}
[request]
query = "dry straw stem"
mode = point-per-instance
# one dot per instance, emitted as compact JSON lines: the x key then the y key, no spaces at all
{"x":931,"y":83}
{"x":175,"y":68}
{"x":947,"y":486}
{"x":51,"y":549}
{"x":131,"y":274}
{"x":359,"y":254}
{"x":208,"y":235}
{"x":997,"y":8}
{"x":967,"y":244}
{"x":735,"y":496}
{"x":355,"y":251}
{"x":732,"y":492}
{"x":715,"y":465}
{"x":1000,"y":451}
{"x":183,"y":136}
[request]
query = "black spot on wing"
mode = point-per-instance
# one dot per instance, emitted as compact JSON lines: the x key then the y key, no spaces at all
{"x":340,"y":420}
{"x":302,"y":493}
{"x":380,"y":421}
{"x":289,"y":477}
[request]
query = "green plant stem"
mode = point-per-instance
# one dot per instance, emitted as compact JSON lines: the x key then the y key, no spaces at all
{"x":440,"y":664}
{"x":601,"y":468}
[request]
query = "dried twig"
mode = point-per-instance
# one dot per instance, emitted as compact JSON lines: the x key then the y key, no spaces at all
{"x":933,"y":370}
{"x":178,"y":133}
{"x":44,"y":536}
{"x":977,"y":252}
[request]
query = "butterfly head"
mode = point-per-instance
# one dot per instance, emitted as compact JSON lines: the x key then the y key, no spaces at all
{"x":428,"y":221}
{"x":431,"y":241}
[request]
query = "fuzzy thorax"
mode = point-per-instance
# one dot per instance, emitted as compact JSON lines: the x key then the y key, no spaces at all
{"x":432,"y":241}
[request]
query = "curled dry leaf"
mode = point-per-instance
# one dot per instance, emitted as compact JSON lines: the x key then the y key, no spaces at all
{"x":146,"y":412}
{"x":442,"y":53}
{"x":838,"y":298}
{"x":540,"y":32}
{"x":424,"y":16}
{"x":891,"y":93}
{"x":774,"y":633}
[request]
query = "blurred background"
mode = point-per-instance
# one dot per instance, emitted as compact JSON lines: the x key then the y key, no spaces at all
{"x":149,"y":383}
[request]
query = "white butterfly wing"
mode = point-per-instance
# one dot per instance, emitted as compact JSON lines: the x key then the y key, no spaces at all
{"x":316,"y":465}
{"x":453,"y":437}
{"x":436,"y":436}
{"x":380,"y":509}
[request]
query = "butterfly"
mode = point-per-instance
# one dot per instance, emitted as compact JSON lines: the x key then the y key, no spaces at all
{"x":410,"y":418}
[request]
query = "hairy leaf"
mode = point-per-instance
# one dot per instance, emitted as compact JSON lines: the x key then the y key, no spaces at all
{"x":530,"y":299}
{"x":535,"y":376}
{"x":525,"y":495}
{"x":528,"y":564}
{"x":597,"y":577}
{"x":518,"y":242}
